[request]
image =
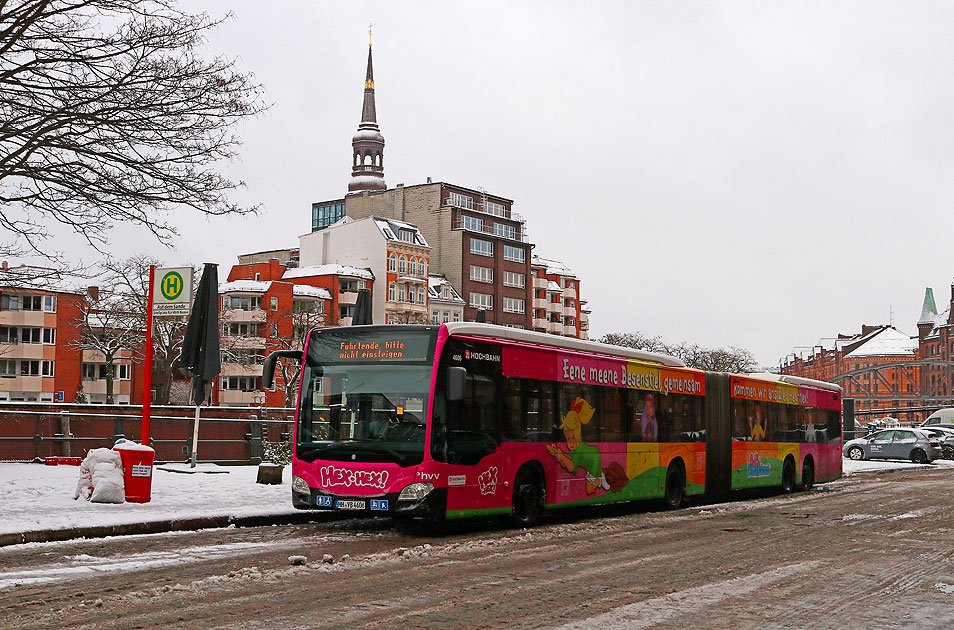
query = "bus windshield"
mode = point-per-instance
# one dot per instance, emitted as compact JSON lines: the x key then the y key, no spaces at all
{"x":364,"y":395}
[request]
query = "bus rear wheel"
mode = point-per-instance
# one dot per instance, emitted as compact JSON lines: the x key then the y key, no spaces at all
{"x":808,"y":475}
{"x":788,"y":476}
{"x":528,"y":499}
{"x":675,"y":486}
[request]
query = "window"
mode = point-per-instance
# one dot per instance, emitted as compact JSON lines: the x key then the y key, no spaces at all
{"x":9,"y":334}
{"x":30,"y":335}
{"x":391,"y":292}
{"x":8,"y":367}
{"x":240,"y":330}
{"x":9,"y":302}
{"x":513,"y":279}
{"x":240,"y":383}
{"x":273,"y":330}
{"x":402,"y":293}
{"x":506,"y":231}
{"x":481,"y":274}
{"x":422,"y":268}
{"x":456,"y":316}
{"x":392,"y":263}
{"x":514,"y":305}
{"x":49,"y":336}
{"x":461,"y":201}
{"x":274,"y":303}
{"x":244,"y":302}
{"x":447,"y":316}
{"x":421,"y":296}
{"x":46,"y":368}
{"x":31,"y":302}
{"x":29,"y":368}
{"x":481,"y":247}
{"x":324,"y":214}
{"x":472,"y":223}
{"x":482,"y":300}
{"x":406,"y":235}
{"x":402,"y":264}
{"x":515,"y":254}
{"x":49,"y":303}
{"x":411,"y":266}
{"x":435,"y":319}
{"x":492,"y":207}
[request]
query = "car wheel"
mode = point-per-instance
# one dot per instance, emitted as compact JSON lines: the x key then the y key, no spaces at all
{"x":788,"y":476}
{"x":675,"y":486}
{"x":856,"y":453}
{"x":918,"y":456}
{"x":948,"y":452}
{"x":808,"y":475}
{"x":528,"y":499}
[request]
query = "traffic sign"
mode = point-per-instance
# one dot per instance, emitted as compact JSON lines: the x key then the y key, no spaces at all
{"x":175,"y":291}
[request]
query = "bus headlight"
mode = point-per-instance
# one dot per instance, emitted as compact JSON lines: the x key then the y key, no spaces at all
{"x":416,"y":491}
{"x":300,"y":485}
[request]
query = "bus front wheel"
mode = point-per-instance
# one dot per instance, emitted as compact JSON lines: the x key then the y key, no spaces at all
{"x":528,"y":499}
{"x":675,"y":486}
{"x":788,"y":476}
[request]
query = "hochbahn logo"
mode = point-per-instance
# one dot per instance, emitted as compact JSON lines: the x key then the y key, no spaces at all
{"x":171,"y":285}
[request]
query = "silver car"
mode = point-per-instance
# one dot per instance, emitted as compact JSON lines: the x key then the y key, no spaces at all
{"x":914,"y":444}
{"x":945,"y":434}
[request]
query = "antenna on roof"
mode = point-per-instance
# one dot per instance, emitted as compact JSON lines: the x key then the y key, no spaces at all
{"x":891,"y":315}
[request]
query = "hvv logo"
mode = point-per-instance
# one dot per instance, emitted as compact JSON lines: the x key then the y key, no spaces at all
{"x":756,"y":468}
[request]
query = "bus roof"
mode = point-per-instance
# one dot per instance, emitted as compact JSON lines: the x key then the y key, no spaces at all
{"x":495,"y":331}
{"x":795,"y":380}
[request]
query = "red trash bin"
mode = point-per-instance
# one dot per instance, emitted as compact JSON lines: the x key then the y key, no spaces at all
{"x":137,"y":470}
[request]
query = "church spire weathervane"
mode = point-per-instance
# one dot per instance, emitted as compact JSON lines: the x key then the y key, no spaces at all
{"x":367,"y":167}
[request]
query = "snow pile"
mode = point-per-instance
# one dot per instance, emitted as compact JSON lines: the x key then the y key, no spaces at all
{"x":101,"y":477}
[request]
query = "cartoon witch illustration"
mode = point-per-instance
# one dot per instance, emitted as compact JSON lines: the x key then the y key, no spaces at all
{"x":586,"y":456}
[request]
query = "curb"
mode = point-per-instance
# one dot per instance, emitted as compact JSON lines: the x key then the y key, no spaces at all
{"x":159,"y":527}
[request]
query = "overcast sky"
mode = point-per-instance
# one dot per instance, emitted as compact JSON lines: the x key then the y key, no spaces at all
{"x":758,"y":174}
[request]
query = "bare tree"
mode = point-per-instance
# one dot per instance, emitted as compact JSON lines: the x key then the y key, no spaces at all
{"x":109,"y":326}
{"x":130,"y":276}
{"x":305,"y":315}
{"x":732,"y":359}
{"x":109,"y":114}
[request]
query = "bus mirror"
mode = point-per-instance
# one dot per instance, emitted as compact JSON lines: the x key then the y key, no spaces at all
{"x":268,"y":369}
{"x":456,"y":377}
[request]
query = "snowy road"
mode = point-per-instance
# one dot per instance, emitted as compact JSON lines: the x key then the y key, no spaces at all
{"x":875,"y":551}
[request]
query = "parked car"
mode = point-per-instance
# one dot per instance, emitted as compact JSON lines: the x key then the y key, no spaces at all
{"x":941,"y":416}
{"x":919,"y":446}
{"x":946,"y":435}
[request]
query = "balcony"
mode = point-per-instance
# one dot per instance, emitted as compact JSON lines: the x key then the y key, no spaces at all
{"x":540,"y":303}
{"x":234,"y":342}
{"x":406,"y":307}
{"x":344,"y":321}
{"x":539,"y":283}
{"x":569,"y":311}
{"x":539,"y":323}
{"x":23,"y":318}
{"x":489,"y":230}
{"x":347,"y":297}
{"x":366,"y":168}
{"x":26,"y":351}
{"x":242,"y":316}
{"x":569,"y":292}
{"x":555,"y":327}
{"x":569,"y":331}
{"x":238,"y":397}
{"x":414,"y":278}
{"x":240,"y":369}
{"x":98,"y":386}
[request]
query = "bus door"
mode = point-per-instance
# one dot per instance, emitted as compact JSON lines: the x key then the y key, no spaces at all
{"x":469,"y":438}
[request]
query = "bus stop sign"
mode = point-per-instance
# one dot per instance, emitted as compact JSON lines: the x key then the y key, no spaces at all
{"x":174,"y":292}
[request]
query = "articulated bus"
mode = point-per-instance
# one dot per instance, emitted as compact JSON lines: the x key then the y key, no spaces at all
{"x":469,"y":419}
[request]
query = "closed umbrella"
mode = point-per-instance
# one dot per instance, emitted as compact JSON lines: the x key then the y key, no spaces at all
{"x":362,"y":309}
{"x":200,"y":346}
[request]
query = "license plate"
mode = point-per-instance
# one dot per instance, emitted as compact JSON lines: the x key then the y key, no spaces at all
{"x":350,"y":505}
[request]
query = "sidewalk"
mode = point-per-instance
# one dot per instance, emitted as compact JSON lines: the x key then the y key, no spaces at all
{"x":37,"y":505}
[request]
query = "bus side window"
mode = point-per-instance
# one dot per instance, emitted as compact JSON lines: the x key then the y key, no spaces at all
{"x":549,"y":418}
{"x":611,"y":428}
{"x":513,"y":429}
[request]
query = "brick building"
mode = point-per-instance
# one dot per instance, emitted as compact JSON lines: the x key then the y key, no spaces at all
{"x":876,"y":367}
{"x":394,"y":251}
{"x":936,"y":349}
{"x":557,"y":307}
{"x":40,"y":359}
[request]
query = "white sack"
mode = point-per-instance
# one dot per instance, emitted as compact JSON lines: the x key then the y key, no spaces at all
{"x":108,"y":486}
{"x":85,"y":483}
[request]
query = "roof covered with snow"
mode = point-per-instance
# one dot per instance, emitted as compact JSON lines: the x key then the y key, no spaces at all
{"x":440,"y":288}
{"x":887,"y":342}
{"x":327,"y":270}
{"x":308,"y":291}
{"x":392,"y":231}
{"x":250,"y":286}
{"x":552,"y":266}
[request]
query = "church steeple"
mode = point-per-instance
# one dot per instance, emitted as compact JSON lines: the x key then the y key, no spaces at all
{"x":367,"y":167}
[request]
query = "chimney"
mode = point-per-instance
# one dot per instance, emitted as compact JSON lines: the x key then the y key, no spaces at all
{"x":5,"y":266}
{"x":93,"y":293}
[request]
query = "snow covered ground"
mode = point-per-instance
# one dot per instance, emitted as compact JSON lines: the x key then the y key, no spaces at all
{"x":39,"y":497}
